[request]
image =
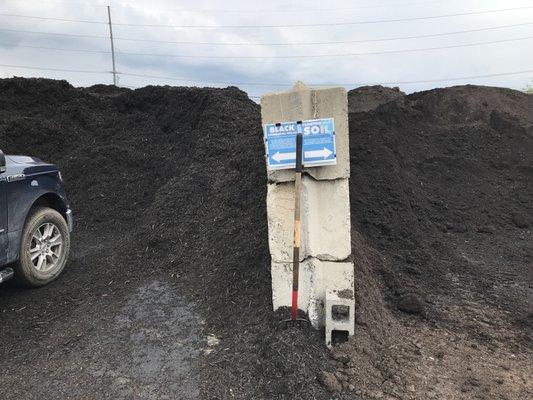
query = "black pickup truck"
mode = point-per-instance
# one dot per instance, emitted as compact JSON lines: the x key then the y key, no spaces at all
{"x":35,"y":221}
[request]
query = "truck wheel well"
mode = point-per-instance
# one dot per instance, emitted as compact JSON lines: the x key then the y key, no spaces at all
{"x":51,"y":200}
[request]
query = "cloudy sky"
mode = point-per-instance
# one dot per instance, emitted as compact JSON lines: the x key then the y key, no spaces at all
{"x":263,"y":46}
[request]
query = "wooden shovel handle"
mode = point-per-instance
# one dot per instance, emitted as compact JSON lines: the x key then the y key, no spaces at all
{"x":297,"y":227}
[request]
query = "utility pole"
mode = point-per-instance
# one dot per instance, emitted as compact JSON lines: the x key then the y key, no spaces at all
{"x":112,"y":45}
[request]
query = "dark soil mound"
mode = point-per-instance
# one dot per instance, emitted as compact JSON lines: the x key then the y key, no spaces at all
{"x":170,"y":182}
{"x":368,"y":98}
{"x":441,"y":185}
{"x":173,"y":181}
{"x":474,"y":104}
{"x":437,"y":167}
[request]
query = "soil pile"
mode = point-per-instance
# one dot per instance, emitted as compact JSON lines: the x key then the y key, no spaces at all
{"x":368,"y":98}
{"x":439,"y":166}
{"x":170,"y":182}
{"x":441,"y":185}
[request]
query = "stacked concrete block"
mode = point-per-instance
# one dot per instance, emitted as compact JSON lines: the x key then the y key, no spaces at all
{"x":325,"y":252}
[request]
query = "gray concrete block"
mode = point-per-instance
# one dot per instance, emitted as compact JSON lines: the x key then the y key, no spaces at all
{"x":340,"y":315}
{"x":325,"y":216}
{"x":303,"y":103}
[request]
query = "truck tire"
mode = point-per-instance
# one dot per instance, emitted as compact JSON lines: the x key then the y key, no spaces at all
{"x":44,"y":248}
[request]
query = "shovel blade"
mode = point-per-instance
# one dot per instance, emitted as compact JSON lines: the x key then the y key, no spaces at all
{"x":298,"y":323}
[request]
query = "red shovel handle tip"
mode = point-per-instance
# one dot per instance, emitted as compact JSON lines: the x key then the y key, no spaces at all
{"x":294,"y":308}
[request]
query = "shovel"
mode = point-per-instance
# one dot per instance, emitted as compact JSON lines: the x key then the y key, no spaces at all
{"x":295,"y":321}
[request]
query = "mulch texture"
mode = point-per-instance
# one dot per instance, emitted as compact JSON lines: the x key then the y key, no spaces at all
{"x":171,"y":181}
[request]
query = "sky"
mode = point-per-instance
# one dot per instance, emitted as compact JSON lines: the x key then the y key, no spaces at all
{"x":262,"y":46}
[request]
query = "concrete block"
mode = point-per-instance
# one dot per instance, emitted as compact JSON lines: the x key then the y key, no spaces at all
{"x":292,"y":105}
{"x":302,"y":103}
{"x":325,"y":276}
{"x":325,"y":216}
{"x":339,"y":279}
{"x":316,"y":279}
{"x":340,"y":315}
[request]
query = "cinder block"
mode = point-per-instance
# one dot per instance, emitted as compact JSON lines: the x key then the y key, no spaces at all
{"x":302,"y":103}
{"x":340,"y":314}
{"x":325,"y":216}
{"x":316,"y":279}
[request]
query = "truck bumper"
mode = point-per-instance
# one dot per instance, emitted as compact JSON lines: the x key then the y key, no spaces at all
{"x":70,"y":220}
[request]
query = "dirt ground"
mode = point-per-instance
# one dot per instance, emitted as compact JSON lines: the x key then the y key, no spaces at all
{"x":167,"y":294}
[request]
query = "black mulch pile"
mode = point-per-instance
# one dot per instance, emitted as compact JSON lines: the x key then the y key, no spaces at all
{"x":175,"y":178}
{"x":435,"y":168}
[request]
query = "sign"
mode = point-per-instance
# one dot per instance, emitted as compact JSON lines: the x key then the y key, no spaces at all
{"x":318,"y":143}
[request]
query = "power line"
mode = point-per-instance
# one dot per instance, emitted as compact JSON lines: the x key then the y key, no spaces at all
{"x":61,"y":34}
{"x":277,"y":43}
{"x":57,"y":49}
{"x":328,"y":23}
{"x":291,"y":56}
{"x":461,"y":78}
{"x":228,"y":11}
{"x":307,"y":56}
{"x":53,"y":19}
{"x":448,"y":79}
{"x":330,"y":84}
{"x":170,"y":78}
{"x":275,"y":26}
{"x":55,"y":69}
